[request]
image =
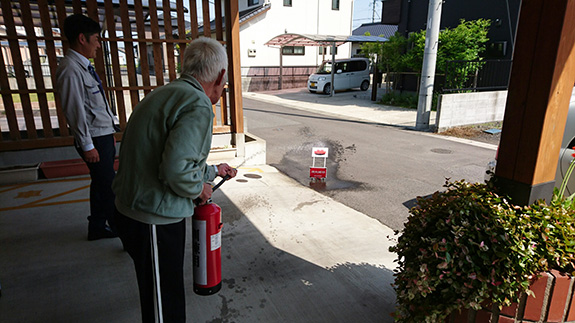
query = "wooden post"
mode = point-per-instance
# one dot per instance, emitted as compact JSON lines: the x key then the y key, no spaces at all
{"x":540,"y":87}
{"x":234,"y":75}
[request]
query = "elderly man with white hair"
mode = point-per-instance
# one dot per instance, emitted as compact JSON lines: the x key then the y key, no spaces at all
{"x":163,"y":171}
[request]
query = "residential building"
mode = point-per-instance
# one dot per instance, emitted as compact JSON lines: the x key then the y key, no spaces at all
{"x":262,"y":20}
{"x":504,"y":15}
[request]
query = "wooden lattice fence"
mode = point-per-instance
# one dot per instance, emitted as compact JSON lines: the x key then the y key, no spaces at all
{"x":141,"y":50}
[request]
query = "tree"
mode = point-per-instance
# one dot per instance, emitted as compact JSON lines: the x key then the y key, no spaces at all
{"x":464,"y":42}
{"x":386,"y":55}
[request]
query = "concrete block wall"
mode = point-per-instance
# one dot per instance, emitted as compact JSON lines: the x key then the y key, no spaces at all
{"x":458,"y":109}
{"x":271,"y":83}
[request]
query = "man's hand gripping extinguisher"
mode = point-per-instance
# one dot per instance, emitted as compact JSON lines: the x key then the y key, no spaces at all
{"x":207,"y":241}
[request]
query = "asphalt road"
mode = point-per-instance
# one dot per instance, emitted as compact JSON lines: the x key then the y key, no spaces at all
{"x":376,"y":169}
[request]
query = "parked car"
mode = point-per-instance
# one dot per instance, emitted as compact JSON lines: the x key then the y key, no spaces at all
{"x":565,"y":153}
{"x":349,"y":73}
{"x":12,"y":72}
{"x":44,"y":65}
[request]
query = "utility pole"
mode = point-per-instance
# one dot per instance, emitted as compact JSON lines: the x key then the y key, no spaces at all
{"x":373,"y":10}
{"x":429,"y":62}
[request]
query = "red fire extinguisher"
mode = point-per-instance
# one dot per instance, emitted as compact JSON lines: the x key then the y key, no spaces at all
{"x":207,"y":237}
{"x":207,"y":242}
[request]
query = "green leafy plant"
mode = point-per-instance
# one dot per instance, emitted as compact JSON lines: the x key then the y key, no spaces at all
{"x":467,"y":245}
{"x":464,"y":42}
{"x":387,"y":56}
{"x":406,"y":100}
{"x":397,"y":55}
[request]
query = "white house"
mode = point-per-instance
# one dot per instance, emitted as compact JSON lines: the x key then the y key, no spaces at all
{"x":262,"y":20}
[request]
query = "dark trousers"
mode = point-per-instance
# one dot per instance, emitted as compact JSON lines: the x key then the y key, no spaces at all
{"x":102,"y":174}
{"x":158,"y":255}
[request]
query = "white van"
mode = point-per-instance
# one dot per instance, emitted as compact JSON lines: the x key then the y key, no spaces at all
{"x":349,"y":73}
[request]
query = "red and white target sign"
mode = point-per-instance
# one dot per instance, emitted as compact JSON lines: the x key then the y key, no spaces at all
{"x":317,"y":172}
{"x":319,"y":152}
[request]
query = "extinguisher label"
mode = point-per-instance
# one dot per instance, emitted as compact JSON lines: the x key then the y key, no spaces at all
{"x":216,"y":241}
{"x":200,"y":252}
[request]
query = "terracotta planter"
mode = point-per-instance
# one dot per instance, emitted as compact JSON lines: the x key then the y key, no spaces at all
{"x":553,"y":302}
{"x":66,"y":168}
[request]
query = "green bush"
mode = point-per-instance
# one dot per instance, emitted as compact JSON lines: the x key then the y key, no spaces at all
{"x":405,"y":100}
{"x":464,"y":42}
{"x":467,"y":245}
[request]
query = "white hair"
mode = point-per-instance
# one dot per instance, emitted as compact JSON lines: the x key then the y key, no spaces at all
{"x":204,"y":59}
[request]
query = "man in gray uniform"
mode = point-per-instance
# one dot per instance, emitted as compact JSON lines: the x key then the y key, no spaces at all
{"x":90,"y":119}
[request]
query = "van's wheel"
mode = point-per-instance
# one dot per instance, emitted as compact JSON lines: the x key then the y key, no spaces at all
{"x":364,"y":85}
{"x":327,"y":89}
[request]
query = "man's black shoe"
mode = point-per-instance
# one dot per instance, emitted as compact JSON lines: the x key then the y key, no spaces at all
{"x":101,"y":234}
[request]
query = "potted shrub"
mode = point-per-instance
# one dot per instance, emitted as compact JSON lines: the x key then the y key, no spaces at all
{"x":467,"y":247}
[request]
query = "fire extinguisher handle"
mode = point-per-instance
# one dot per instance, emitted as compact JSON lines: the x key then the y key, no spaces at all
{"x":196,"y":201}
{"x":220,"y":183}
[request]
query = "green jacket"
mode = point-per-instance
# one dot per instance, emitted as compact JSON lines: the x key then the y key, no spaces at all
{"x":163,"y":154}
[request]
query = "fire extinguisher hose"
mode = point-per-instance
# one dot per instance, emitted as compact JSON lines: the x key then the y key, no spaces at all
{"x":220,"y":183}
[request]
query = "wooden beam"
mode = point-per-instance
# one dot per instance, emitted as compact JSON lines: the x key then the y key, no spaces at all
{"x":61,"y":11}
{"x":221,"y":129}
{"x":130,"y":60}
{"x":169,"y":36}
{"x":53,"y":61}
{"x":25,"y":144}
{"x":142,"y":46}
{"x":193,"y":19}
{"x":29,"y":137}
{"x":9,"y":110}
{"x":157,"y":47}
{"x":206,"y":18}
{"x":234,"y":66}
{"x":218,"y":20}
{"x":37,"y":69}
{"x":181,"y":30}
{"x":540,"y":87}
{"x":113,"y":43}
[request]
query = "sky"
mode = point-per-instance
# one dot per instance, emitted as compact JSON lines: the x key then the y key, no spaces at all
{"x":363,"y":12}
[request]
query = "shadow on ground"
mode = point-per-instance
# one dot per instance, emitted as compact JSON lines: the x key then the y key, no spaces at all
{"x":50,"y":273}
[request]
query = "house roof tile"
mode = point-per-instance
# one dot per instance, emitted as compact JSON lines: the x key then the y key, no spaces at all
{"x":375,"y":29}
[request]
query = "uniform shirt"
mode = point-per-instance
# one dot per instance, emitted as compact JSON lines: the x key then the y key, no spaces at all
{"x":85,"y":106}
